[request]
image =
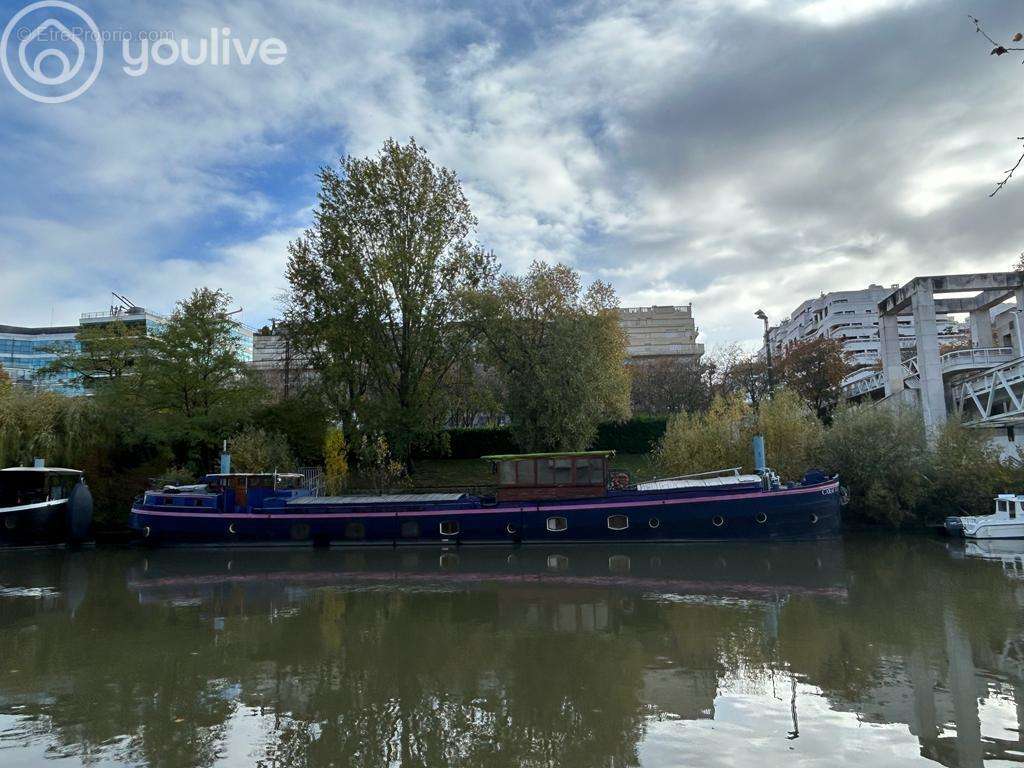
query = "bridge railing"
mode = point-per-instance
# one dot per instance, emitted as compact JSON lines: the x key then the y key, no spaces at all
{"x":957,"y":360}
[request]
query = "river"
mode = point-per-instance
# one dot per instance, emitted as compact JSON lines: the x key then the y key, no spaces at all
{"x":872,"y":651}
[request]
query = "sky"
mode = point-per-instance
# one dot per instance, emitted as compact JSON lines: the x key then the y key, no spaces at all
{"x":736,"y":155}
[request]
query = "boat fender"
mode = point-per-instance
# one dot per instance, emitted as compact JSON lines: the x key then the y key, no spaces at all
{"x":79,"y":512}
{"x":844,"y":495}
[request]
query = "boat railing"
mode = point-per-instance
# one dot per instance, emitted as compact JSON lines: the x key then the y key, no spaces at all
{"x":734,"y":471}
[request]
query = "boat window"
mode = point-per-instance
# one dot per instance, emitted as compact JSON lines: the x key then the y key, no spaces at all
{"x":355,"y":531}
{"x":1000,"y":506}
{"x":557,"y":524}
{"x":450,"y":528}
{"x":410,"y":529}
{"x":618,"y":522}
{"x":546,"y":472}
{"x":1013,"y":509}
{"x":563,"y":471}
{"x":506,"y":473}
{"x":524,"y":472}
{"x":582,"y":471}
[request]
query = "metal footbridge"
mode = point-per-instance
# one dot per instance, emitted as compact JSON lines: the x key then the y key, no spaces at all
{"x":956,"y":362}
{"x":993,"y":398}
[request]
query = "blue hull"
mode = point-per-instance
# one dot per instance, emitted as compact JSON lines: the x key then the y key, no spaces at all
{"x":805,"y":512}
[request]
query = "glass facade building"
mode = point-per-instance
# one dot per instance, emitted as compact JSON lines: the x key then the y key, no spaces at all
{"x":24,"y":351}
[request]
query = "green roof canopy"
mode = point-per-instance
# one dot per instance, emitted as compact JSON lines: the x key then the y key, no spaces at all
{"x":558,"y":455}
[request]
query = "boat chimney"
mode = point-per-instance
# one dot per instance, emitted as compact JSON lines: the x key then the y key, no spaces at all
{"x":38,"y":463}
{"x":760,"y":465}
{"x":225,"y":460}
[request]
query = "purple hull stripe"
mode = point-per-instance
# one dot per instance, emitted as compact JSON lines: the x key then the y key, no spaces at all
{"x":608,"y":504}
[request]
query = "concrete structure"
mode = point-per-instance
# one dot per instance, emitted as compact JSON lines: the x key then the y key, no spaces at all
{"x":661,"y":333}
{"x":928,"y":372}
{"x":852,"y":317}
{"x":282,"y":369}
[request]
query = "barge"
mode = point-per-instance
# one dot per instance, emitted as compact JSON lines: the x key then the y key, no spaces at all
{"x":541,"y":498}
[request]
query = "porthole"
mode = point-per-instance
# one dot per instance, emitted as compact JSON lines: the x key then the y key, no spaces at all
{"x":619,"y":564}
{"x":300,"y":532}
{"x":654,"y":522}
{"x":146,"y":531}
{"x":718,"y":521}
{"x":232,"y":530}
{"x":557,"y":524}
{"x":761,"y":518}
{"x":448,"y":560}
{"x":10,"y":523}
{"x":449,"y":528}
{"x":355,"y":531}
{"x":510,"y":529}
{"x":618,"y":522}
{"x":410,"y":529}
{"x":558,"y":563}
{"x":814,"y":519}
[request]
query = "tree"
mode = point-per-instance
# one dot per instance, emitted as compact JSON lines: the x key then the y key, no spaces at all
{"x":668,"y":385}
{"x":559,"y":353}
{"x":815,"y":369}
{"x":197,"y":387}
{"x":335,"y":461}
{"x":1000,"y":50}
{"x":378,"y":290}
{"x":103,"y":352}
{"x":735,"y":371}
{"x":256,"y":450}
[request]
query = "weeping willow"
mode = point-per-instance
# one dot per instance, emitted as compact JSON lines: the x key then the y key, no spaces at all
{"x":44,"y":425}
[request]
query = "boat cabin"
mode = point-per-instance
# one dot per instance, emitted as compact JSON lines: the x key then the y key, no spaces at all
{"x":34,"y":485}
{"x":250,"y":489}
{"x":1009,"y":507}
{"x":529,"y":476}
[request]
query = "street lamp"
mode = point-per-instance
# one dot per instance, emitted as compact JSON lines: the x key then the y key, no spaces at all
{"x":767,"y":347}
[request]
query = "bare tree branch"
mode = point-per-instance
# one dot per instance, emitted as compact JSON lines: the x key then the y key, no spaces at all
{"x":1009,"y":173}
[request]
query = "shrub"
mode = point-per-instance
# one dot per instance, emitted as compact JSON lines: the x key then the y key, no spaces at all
{"x":721,"y":438}
{"x":966,"y":474}
{"x":255,"y":450}
{"x":881,"y":455}
{"x":335,"y":460}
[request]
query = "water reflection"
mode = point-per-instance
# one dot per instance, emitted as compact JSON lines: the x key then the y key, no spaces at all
{"x":865,"y":653}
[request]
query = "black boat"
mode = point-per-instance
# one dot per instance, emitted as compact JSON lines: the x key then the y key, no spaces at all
{"x":44,"y":505}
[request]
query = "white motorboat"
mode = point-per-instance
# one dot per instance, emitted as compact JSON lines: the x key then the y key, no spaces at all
{"x":1007,"y":522}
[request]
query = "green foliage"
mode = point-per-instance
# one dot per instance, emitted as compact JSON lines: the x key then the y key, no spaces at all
{"x":966,"y":474}
{"x":303,"y":420}
{"x":256,"y":450}
{"x":377,"y":467}
{"x":378,"y":291}
{"x":474,"y":443}
{"x":721,"y":437}
{"x":641,"y":434}
{"x":558,"y":351}
{"x":193,"y":384}
{"x":335,"y":460}
{"x":881,"y":455}
{"x":104,"y":352}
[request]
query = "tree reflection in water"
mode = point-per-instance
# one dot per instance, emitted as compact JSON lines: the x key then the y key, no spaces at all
{"x":523,"y":657}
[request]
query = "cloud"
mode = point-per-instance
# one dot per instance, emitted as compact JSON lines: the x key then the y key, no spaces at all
{"x":739,"y":155}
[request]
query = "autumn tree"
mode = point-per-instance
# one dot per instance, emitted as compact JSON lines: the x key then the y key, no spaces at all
{"x":669,"y":385}
{"x":814,"y":369}
{"x":559,"y":351}
{"x":378,"y":291}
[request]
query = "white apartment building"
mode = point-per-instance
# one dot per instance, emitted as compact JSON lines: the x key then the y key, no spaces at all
{"x":852,"y":317}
